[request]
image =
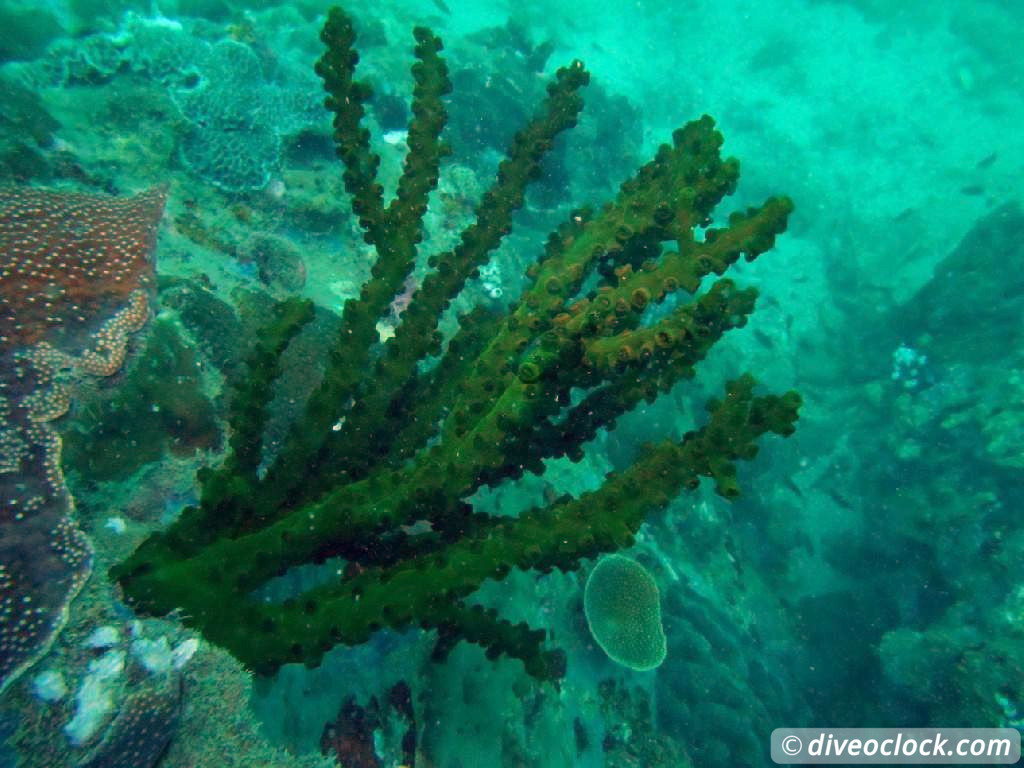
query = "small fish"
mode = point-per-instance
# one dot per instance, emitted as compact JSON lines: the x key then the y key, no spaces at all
{"x":974,"y":190}
{"x":986,"y":161}
{"x":763,"y":338}
{"x":839,"y":499}
{"x":442,"y":6}
{"x":789,"y":483}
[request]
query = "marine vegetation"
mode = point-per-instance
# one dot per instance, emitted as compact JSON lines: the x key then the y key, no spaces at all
{"x":378,"y":468}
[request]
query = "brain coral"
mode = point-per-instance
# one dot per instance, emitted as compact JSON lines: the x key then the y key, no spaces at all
{"x":623,"y":609}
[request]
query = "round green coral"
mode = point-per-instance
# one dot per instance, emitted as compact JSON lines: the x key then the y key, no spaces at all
{"x":623,"y":609}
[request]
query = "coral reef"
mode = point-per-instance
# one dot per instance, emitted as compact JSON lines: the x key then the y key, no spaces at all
{"x":109,"y":693}
{"x":929,"y":485}
{"x":233,"y":137}
{"x":141,"y":731}
{"x":233,"y":111}
{"x":75,"y":270}
{"x":722,"y":685}
{"x":355,"y":737}
{"x":378,"y":467}
{"x":636,"y":738}
{"x":159,"y":406}
{"x":25,"y":127}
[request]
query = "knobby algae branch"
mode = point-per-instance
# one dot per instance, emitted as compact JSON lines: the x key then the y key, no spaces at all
{"x":387,"y":441}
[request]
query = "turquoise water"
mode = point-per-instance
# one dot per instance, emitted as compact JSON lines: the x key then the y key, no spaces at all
{"x":868,"y":574}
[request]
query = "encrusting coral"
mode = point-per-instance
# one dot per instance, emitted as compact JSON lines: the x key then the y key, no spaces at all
{"x":75,"y":275}
{"x":398,"y":435}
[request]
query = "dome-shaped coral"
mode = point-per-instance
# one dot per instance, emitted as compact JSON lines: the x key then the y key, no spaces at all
{"x":623,"y":608}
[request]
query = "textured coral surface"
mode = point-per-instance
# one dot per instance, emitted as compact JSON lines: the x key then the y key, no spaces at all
{"x":74,"y":269}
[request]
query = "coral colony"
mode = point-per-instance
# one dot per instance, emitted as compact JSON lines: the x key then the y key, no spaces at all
{"x":75,"y":270}
{"x":379,"y":465}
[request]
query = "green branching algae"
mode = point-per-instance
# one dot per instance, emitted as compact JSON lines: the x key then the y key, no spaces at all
{"x":386,"y":442}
